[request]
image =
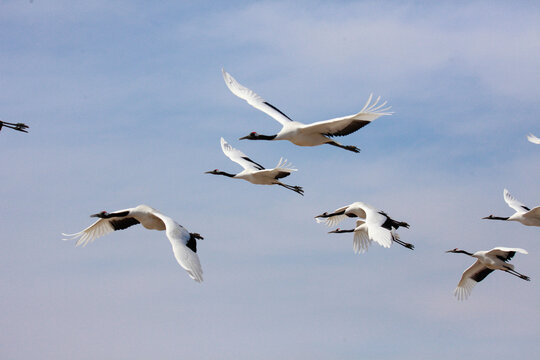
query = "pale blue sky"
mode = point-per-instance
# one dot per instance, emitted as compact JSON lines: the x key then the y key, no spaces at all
{"x":126,"y":105}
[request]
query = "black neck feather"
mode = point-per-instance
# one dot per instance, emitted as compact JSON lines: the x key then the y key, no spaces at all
{"x":263,"y":137}
{"x":224,"y":174}
{"x":344,"y":231}
{"x":497,"y":218}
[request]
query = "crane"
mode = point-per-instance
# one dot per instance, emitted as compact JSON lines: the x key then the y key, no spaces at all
{"x":373,"y":223}
{"x":255,"y":173}
{"x":317,"y":133}
{"x":523,"y":214}
{"x":487,"y":261}
{"x":184,"y":243}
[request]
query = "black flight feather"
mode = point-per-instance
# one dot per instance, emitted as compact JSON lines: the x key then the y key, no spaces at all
{"x":279,"y":111}
{"x":258,"y":166}
{"x":481,"y":275}
{"x":123,"y":223}
{"x":349,"y":129}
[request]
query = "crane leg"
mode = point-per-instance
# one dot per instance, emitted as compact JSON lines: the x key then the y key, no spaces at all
{"x":346,"y":147}
{"x":515,"y":273}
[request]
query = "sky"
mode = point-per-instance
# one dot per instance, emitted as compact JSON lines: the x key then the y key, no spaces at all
{"x":126,"y":105}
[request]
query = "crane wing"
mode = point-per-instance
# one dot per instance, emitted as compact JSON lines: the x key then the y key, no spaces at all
{"x":361,"y":239}
{"x":282,"y":169}
{"x":534,"y":213}
{"x":514,"y":203}
{"x":474,"y":274}
{"x":533,"y":139}
{"x":504,"y":253}
{"x":102,"y":227}
{"x":348,"y":124}
{"x":373,"y":216}
{"x":380,"y":235}
{"x":253,"y":99}
{"x":184,"y":246}
{"x":239,"y":157}
{"x":334,"y":219}
{"x":359,"y":209}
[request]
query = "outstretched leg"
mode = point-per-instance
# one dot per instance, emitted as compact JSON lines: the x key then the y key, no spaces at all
{"x":515,"y":273}
{"x":346,"y":147}
{"x":297,"y":189}
{"x":14,"y":126}
{"x":196,"y":236}
{"x":402,"y":243}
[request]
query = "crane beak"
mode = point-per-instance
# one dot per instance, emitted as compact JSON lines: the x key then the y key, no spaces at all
{"x":243,"y":138}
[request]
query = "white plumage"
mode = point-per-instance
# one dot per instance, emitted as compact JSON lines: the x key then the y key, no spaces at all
{"x":317,"y":133}
{"x":254,"y":172}
{"x":533,"y":139}
{"x":361,"y":240}
{"x":373,"y":225}
{"x":184,"y":243}
{"x":524,"y":215}
{"x":487,"y":261}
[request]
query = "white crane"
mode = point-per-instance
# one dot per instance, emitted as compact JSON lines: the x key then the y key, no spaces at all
{"x":374,"y":225}
{"x":317,"y":133}
{"x":494,"y":259}
{"x":525,"y":215}
{"x":254,"y":172}
{"x":184,"y":243}
{"x":533,"y":139}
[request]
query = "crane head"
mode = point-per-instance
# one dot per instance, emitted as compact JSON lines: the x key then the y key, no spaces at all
{"x":102,"y":215}
{"x":323,"y":215}
{"x":252,"y":136}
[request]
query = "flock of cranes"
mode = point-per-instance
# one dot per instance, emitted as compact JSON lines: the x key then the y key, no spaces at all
{"x":372,"y":225}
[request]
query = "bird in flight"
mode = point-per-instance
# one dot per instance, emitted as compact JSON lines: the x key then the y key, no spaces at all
{"x":184,"y":243}
{"x":254,"y":172}
{"x":523,"y":214}
{"x":373,"y":225}
{"x":487,"y":261}
{"x":317,"y":133}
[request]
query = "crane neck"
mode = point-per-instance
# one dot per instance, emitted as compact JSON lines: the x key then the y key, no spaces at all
{"x":264,"y":137}
{"x":500,"y":218}
{"x":339,"y":231}
{"x":491,"y":217}
{"x":224,"y":174}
